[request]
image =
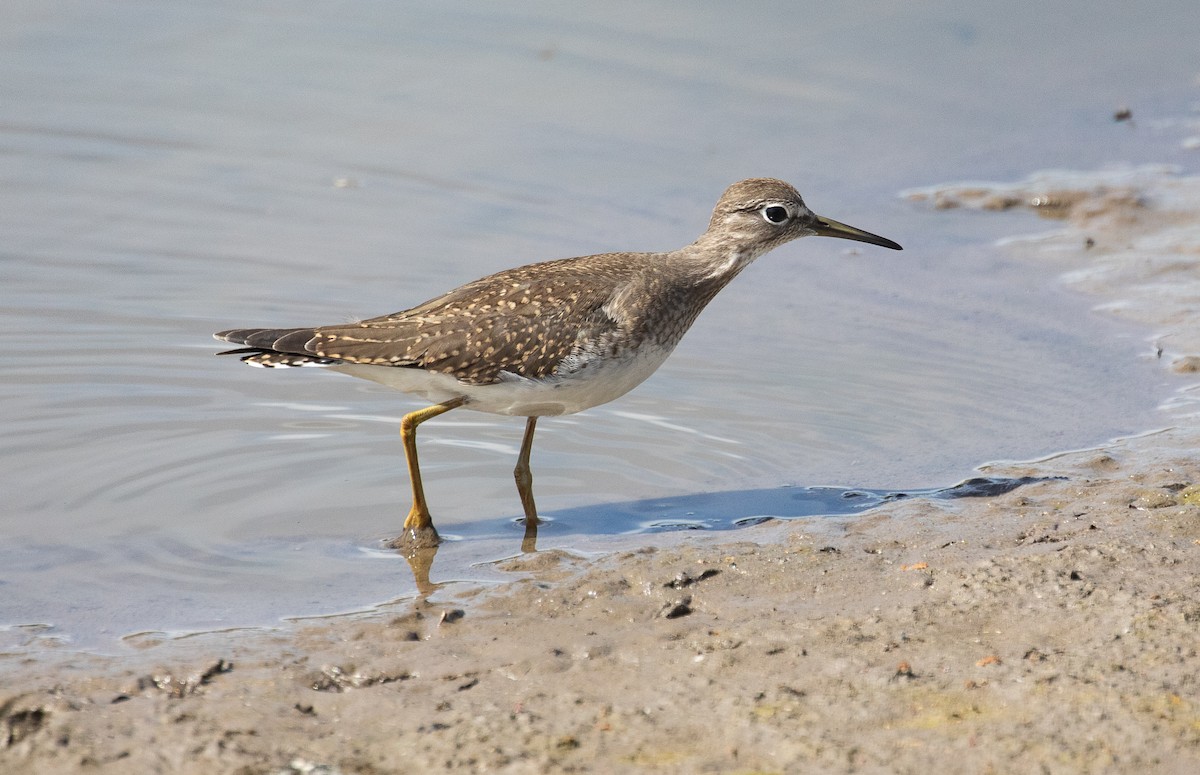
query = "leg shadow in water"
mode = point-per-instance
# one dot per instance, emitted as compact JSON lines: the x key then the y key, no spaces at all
{"x":705,"y":511}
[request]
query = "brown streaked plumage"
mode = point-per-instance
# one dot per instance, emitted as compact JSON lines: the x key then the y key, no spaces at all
{"x":550,"y":338}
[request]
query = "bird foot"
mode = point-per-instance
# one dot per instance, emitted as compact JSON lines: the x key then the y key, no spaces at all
{"x":414,"y":540}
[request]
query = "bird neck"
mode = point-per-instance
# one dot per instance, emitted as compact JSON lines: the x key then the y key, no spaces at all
{"x":718,"y":257}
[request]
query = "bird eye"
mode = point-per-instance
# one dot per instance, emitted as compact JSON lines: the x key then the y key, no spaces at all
{"x":775,"y":214}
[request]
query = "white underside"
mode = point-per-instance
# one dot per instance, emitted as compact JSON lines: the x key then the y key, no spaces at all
{"x":600,"y":381}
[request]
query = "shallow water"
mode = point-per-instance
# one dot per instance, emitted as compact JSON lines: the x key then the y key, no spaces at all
{"x":170,"y":171}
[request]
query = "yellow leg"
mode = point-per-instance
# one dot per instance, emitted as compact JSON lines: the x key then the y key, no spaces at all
{"x":523,"y":475}
{"x":418,"y":515}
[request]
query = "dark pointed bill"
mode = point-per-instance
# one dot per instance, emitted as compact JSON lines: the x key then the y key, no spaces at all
{"x":827,"y":227}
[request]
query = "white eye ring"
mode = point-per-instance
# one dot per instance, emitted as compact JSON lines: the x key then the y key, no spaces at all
{"x":775,"y":214}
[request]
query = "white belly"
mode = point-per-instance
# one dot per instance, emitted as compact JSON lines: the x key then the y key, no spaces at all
{"x":598,"y":382}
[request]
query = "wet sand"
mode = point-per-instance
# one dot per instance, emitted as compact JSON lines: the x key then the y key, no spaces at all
{"x":1052,"y":628}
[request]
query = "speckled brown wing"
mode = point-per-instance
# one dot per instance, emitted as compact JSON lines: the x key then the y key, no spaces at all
{"x":523,"y":321}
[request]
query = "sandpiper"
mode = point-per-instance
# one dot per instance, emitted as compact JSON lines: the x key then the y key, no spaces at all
{"x":551,"y":338}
